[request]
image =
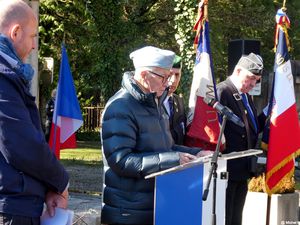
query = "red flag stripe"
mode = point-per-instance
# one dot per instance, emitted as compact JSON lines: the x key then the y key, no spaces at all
{"x":275,"y":179}
{"x":54,"y":140}
{"x":206,"y":126}
{"x":279,"y":131}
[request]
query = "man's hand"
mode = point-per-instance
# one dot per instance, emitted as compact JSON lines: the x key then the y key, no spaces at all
{"x":186,"y":157}
{"x":54,"y":200}
{"x":204,"y":153}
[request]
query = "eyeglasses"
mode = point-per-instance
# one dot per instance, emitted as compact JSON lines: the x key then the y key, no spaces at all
{"x":165,"y":78}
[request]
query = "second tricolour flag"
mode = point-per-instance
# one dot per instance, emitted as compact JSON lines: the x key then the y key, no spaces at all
{"x":203,"y":124}
{"x":284,"y":141}
{"x":67,"y":117}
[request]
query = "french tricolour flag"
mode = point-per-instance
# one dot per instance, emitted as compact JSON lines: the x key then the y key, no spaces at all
{"x":67,"y":117}
{"x":202,"y":123}
{"x":284,"y":134}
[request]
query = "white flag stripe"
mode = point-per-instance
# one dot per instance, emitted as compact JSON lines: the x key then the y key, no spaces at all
{"x":70,"y":126}
{"x":202,"y":78}
{"x":284,"y":86}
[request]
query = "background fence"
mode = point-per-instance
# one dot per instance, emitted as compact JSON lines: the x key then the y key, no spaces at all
{"x":92,"y":118}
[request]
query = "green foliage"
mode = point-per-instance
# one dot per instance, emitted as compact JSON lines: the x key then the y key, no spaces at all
{"x":293,"y":8}
{"x":244,"y":20}
{"x":184,"y":22}
{"x":100,"y":36}
{"x":68,"y":22}
{"x":124,"y":26}
{"x":88,"y":136}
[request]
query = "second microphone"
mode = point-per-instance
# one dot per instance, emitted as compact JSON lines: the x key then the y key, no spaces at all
{"x":224,"y":111}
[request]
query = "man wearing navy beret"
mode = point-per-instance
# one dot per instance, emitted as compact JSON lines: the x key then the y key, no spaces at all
{"x":137,"y":141}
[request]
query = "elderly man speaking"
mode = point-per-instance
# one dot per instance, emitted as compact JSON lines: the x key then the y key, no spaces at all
{"x":137,"y":141}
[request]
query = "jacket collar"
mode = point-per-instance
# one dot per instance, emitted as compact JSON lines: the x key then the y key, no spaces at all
{"x":129,"y":84}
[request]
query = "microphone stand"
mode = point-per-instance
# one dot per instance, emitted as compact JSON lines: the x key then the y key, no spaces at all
{"x":213,"y":172}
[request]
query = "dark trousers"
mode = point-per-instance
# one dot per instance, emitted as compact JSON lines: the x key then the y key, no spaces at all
{"x":7,"y":219}
{"x":48,"y":131}
{"x":235,"y":198}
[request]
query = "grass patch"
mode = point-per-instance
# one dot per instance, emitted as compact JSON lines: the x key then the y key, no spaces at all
{"x":297,"y":186}
{"x":84,"y":166}
{"x":89,"y":145}
{"x":87,"y":154}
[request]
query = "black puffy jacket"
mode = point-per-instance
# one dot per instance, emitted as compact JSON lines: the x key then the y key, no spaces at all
{"x":136,"y":142}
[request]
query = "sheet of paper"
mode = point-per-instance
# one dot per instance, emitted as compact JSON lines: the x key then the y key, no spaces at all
{"x":61,"y":217}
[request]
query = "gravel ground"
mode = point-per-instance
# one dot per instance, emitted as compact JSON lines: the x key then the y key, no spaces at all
{"x":85,"y":179}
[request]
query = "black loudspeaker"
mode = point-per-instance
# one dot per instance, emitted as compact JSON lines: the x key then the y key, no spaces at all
{"x":239,"y":47}
{"x":295,"y":64}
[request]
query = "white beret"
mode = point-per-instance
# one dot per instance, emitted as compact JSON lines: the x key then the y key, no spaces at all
{"x":152,"y":56}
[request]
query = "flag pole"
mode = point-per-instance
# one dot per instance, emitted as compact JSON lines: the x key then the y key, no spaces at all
{"x":56,"y":106}
{"x":283,"y":6}
{"x":205,"y":18}
{"x":284,"y":1}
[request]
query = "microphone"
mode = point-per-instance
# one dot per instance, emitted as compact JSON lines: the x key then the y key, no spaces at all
{"x":224,"y":110}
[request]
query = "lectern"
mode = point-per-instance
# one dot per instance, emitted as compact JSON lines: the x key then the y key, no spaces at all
{"x":178,"y":192}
